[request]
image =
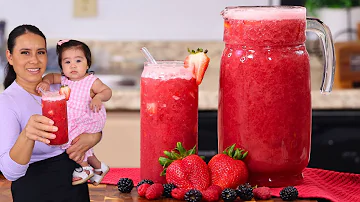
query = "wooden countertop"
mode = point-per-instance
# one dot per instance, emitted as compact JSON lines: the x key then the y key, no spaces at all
{"x":107,"y":193}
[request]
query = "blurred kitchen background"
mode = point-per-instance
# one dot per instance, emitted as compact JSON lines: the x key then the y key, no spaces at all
{"x":116,"y":30}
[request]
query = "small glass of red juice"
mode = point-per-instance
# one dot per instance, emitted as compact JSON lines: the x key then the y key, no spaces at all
{"x":54,"y":107}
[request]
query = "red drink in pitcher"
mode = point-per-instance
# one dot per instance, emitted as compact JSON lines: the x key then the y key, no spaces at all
{"x":264,"y":97}
{"x":54,"y":107}
{"x":169,"y":114}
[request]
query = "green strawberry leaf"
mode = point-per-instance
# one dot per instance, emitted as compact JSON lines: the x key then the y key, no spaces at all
{"x":237,"y":154}
{"x":192,"y":151}
{"x":163,"y":161}
{"x":180,"y":148}
{"x":168,"y":154}
{"x":231,"y":150}
{"x":163,"y":173}
{"x":175,"y":155}
{"x":244,"y":155}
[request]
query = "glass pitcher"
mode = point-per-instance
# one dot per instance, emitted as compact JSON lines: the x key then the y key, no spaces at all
{"x":264,"y":95}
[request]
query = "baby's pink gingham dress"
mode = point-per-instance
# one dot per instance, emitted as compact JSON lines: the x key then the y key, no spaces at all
{"x":81,"y":119}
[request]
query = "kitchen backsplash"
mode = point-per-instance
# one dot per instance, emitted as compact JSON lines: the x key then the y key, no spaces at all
{"x":118,"y":56}
{"x":125,"y":57}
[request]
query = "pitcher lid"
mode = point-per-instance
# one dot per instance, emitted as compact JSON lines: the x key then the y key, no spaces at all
{"x":264,"y":12}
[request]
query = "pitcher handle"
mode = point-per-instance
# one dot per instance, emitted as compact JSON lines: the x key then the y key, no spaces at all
{"x":323,"y":32}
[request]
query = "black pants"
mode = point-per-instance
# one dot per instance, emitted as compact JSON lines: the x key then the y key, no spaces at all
{"x":49,"y":180}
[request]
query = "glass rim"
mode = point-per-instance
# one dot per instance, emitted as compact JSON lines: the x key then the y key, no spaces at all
{"x":263,"y":7}
{"x":264,"y":12}
{"x":162,"y":62}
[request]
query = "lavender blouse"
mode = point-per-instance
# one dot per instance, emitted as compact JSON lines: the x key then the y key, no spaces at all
{"x":16,"y":107}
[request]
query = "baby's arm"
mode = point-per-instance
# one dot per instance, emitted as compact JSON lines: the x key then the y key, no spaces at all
{"x":101,"y":91}
{"x":102,"y":94}
{"x":52,"y":78}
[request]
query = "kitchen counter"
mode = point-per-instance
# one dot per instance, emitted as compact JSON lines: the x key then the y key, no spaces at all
{"x":208,"y":100}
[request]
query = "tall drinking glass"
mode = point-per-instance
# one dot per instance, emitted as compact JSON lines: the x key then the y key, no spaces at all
{"x":169,"y":113}
{"x":54,"y":107}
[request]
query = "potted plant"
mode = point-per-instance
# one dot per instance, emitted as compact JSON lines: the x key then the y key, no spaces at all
{"x":341,"y":16}
{"x":313,"y":5}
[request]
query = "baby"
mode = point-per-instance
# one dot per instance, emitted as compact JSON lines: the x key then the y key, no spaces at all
{"x":86,"y":114}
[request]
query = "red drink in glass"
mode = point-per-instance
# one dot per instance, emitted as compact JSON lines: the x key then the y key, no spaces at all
{"x":264,"y":96}
{"x":169,"y":113}
{"x":54,"y":107}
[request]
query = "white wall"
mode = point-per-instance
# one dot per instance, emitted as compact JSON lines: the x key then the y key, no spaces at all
{"x":125,"y":19}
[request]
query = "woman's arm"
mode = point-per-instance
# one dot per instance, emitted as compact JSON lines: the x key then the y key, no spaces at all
{"x":35,"y":130}
{"x":81,"y":144}
{"x":16,"y":146}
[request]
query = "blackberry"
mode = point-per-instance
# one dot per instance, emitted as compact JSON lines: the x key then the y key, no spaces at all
{"x":193,"y":195}
{"x":289,"y":193}
{"x":167,"y":190}
{"x":125,"y":185}
{"x":245,"y":192}
{"x":228,"y":195}
{"x":144,"y":181}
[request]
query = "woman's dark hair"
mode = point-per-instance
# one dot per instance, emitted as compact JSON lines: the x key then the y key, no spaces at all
{"x":66,"y":44}
{"x":10,"y":74}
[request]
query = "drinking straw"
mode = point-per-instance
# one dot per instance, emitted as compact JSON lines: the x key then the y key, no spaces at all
{"x":42,"y":91}
{"x":148,"y":56}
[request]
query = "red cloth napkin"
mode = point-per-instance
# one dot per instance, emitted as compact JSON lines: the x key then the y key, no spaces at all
{"x":318,"y":183}
{"x":114,"y":174}
{"x":330,"y":185}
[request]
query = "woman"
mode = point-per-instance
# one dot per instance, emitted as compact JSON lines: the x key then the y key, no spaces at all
{"x":39,"y":172}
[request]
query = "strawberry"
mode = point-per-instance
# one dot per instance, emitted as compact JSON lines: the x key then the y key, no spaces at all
{"x":155,"y":191}
{"x":212,"y":193}
{"x":227,"y":169}
{"x":65,"y":90}
{"x":199,"y":62}
{"x":262,"y":193}
{"x":142,"y":189}
{"x":215,"y":187}
{"x":185,"y":169}
{"x":178,"y":193}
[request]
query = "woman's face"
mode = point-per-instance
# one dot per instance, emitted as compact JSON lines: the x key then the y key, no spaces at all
{"x":29,"y":58}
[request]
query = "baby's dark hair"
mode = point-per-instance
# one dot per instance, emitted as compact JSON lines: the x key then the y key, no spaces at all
{"x":73,"y":44}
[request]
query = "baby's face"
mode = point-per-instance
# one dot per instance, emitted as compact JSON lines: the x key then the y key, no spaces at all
{"x":74,"y":63}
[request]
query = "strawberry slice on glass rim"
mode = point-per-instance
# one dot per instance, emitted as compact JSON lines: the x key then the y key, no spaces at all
{"x":198,"y":61}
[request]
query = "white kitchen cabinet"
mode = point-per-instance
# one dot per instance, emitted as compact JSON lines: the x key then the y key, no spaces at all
{"x":120,"y":144}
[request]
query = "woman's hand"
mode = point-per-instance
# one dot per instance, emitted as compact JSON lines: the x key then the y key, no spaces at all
{"x":40,"y":128}
{"x":81,"y":144}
